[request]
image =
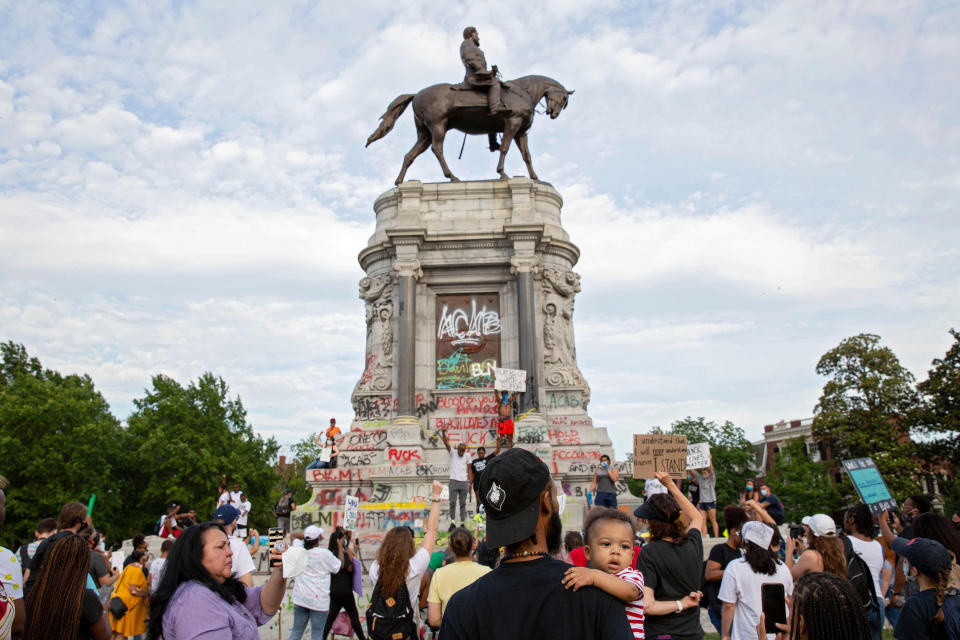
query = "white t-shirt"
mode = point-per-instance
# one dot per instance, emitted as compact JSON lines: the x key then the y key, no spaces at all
{"x":741,"y":585}
{"x":653,"y":486}
{"x":235,"y":498}
{"x":418,"y":566}
{"x":458,"y":464}
{"x":11,"y":575}
{"x":242,"y":562}
{"x":223,"y":499}
{"x":872,"y":553}
{"x":244,"y":512}
{"x":311,"y":589}
{"x":156,"y":570}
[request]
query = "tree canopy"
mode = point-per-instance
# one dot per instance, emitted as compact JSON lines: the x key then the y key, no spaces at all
{"x":805,"y":487}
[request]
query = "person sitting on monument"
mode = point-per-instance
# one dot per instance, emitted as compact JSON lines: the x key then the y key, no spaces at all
{"x":328,"y":454}
{"x":478,"y":78}
{"x":477,"y":467}
{"x":505,"y":416}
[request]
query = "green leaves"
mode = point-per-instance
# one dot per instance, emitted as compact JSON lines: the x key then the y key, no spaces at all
{"x":805,"y":487}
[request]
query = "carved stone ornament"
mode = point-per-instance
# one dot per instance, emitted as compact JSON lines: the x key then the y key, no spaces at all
{"x":559,"y":351}
{"x":377,"y":293}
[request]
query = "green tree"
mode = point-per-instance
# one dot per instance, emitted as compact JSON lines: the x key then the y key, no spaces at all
{"x":732,"y":454}
{"x":60,"y":443}
{"x":293,"y":476}
{"x":805,"y":487}
{"x":185,"y":439}
{"x":865,"y":408}
{"x":938,"y":416}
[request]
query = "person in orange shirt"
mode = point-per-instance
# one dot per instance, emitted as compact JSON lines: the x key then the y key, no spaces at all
{"x":333,"y":430}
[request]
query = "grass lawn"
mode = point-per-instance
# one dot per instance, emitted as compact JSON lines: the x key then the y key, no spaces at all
{"x":887,"y":635}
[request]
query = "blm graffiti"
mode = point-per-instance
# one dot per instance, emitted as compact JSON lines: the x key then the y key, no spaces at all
{"x":468,"y":340}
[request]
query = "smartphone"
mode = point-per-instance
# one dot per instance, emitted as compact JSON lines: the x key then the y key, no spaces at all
{"x":275,"y":536}
{"x":796,"y":531}
{"x":774,"y":601}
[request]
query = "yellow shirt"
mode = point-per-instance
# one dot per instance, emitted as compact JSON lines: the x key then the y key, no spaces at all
{"x":451,"y":578}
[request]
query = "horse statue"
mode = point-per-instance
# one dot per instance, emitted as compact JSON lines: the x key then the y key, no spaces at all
{"x":442,"y":107}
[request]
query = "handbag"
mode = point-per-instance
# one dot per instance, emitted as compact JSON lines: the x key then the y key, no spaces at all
{"x":117,"y":607}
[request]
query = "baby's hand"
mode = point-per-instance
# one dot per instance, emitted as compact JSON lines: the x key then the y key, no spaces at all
{"x":577,"y":577}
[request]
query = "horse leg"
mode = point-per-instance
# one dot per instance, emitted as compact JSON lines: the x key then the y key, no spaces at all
{"x":511,"y":126}
{"x":438,"y":131}
{"x":421,"y":145}
{"x":525,"y":152}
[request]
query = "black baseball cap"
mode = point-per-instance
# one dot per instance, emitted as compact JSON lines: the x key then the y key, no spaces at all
{"x":510,"y":489}
{"x":647,"y":511}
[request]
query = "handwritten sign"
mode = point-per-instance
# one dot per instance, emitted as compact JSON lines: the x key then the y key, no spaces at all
{"x":870,"y":485}
{"x":325,"y":453}
{"x":510,"y":380}
{"x":350,"y":506}
{"x":656,"y":452}
{"x":698,"y":455}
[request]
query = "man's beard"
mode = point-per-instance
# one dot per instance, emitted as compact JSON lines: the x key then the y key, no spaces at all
{"x":554,"y":533}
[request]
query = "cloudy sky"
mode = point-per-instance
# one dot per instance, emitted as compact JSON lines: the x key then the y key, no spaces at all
{"x":184,"y":188}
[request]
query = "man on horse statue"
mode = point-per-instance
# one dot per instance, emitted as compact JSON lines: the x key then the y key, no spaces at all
{"x":478,"y":78}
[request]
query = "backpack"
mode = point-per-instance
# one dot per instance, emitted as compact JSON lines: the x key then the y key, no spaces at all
{"x":157,"y":526}
{"x":858,"y":574}
{"x":283,"y":507}
{"x":391,"y":618}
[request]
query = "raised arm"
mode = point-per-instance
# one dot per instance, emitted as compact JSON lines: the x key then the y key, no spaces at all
{"x":443,"y":436}
{"x":694,"y":514}
{"x":760,"y":511}
{"x":433,"y":522}
{"x":884,"y":521}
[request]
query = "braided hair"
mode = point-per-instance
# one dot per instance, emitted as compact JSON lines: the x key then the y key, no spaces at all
{"x":940,"y":580}
{"x":829,"y":607}
{"x":55,"y":603}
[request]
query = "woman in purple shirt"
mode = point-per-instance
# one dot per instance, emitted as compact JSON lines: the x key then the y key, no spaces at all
{"x":198,"y":598}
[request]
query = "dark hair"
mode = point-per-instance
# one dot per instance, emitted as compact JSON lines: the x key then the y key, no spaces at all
{"x":937,"y":527}
{"x":313,"y":543}
{"x":603,"y":455}
{"x":572,"y":540}
{"x":830,"y":609}
{"x":55,"y":603}
{"x":166,"y":545}
{"x":676,"y":527}
{"x":921,"y":502}
{"x":72,"y":514}
{"x":137,"y":555}
{"x":597,"y":514}
{"x":139,"y":540}
{"x":461,"y":542}
{"x":185,"y":563}
{"x":734,"y":517}
{"x":338,"y":533}
{"x":859,"y":516}
{"x":762,"y":561}
{"x":46,"y":525}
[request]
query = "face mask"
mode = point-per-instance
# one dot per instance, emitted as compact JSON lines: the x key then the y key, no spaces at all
{"x":763,"y":492}
{"x":749,"y":488}
{"x":505,"y":396}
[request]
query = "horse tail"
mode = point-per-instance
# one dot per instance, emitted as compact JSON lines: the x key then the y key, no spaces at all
{"x":389,"y":117}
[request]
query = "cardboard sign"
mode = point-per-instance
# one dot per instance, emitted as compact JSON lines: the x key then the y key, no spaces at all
{"x":350,"y":506}
{"x":510,"y":380}
{"x":656,"y":452}
{"x":698,"y":455}
{"x":870,"y":485}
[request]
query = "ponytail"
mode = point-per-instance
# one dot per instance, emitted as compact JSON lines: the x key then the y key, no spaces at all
{"x":942,"y":580}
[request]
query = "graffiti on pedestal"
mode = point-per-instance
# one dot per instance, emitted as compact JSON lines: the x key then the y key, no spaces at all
{"x":468,"y":340}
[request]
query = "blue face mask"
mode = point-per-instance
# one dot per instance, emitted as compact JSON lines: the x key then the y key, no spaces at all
{"x":505,"y":396}
{"x":763,"y":492}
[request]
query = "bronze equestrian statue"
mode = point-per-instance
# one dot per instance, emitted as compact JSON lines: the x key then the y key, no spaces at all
{"x":506,"y":107}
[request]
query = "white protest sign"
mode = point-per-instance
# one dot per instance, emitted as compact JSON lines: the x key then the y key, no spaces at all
{"x":445,"y":492}
{"x":562,"y":502}
{"x":325,"y":454}
{"x":510,"y":380}
{"x":350,"y":506}
{"x":418,"y":523}
{"x":698,"y":455}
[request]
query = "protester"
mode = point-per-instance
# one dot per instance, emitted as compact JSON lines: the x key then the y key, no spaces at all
{"x":132,"y":588}
{"x":459,"y":479}
{"x":824,"y":607}
{"x":399,"y":564}
{"x":139,"y":544}
{"x":749,"y":492}
{"x":572,"y":540}
{"x":720,"y":557}
{"x":651,"y":487}
{"x":672,"y":564}
{"x":198,"y":594}
{"x":72,"y":520}
{"x":102,"y":573}
{"x":454,"y":576}
{"x":924,"y":615}
{"x":772,"y":504}
{"x":12,"y":608}
{"x":505,"y":427}
{"x":604,"y":479}
{"x":45,"y":528}
{"x":311,"y":589}
{"x":343,"y":582}
{"x":167,"y":525}
{"x":223,"y":496}
{"x":333,"y":430}
{"x":244,"y":509}
{"x":253,"y":542}
{"x":821,"y":549}
{"x":327,"y":459}
{"x":706,"y":479}
{"x":859,"y":526}
{"x":936,"y":527}
{"x":282,"y":510}
{"x":243,"y":566}
{"x":913,"y":507}
{"x":609,"y":547}
{"x":59,"y":606}
{"x":740,"y":590}
{"x":524,"y":596}
{"x":156,"y":565}
{"x":478,"y":465}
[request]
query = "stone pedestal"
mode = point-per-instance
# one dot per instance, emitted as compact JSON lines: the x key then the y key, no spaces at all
{"x":461,"y":278}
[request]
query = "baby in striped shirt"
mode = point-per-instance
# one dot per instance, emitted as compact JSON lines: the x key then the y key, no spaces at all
{"x":608,"y":546}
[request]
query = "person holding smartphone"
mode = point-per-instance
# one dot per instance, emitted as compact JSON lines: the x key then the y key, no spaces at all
{"x":745,"y":580}
{"x":604,"y":482}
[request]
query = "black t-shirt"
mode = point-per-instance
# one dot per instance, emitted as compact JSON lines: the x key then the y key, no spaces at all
{"x":527,"y":600}
{"x":92,"y":611}
{"x":673,"y":571}
{"x":478,"y":466}
{"x":341,"y":583}
{"x":723,"y":555}
{"x":36,"y":562}
{"x":914,"y":622}
{"x":774,"y":507}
